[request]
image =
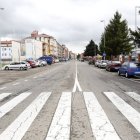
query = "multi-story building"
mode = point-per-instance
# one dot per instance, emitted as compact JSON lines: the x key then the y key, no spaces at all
{"x":33,"y":48}
{"x":65,"y":52}
{"x":6,"y":51}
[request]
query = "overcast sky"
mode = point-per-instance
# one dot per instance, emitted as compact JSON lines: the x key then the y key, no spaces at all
{"x":71,"y":22}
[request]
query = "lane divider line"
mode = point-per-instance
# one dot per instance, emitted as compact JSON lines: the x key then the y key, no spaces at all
{"x":60,"y":126}
{"x":129,"y":112}
{"x":101,"y":126}
{"x":76,"y":84}
{"x":19,"y":127}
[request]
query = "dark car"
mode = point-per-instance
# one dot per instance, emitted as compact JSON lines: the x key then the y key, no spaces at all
{"x":129,"y":69}
{"x":48,"y":59}
{"x":113,"y":66}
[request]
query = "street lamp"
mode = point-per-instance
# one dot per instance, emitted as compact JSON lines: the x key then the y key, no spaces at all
{"x":104,"y":38}
{"x":0,"y":44}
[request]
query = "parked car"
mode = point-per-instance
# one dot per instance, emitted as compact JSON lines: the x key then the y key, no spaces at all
{"x":97,"y":63}
{"x":16,"y":66}
{"x":113,"y":66}
{"x":40,"y":63}
{"x":129,"y":69}
{"x":25,"y":62}
{"x":102,"y":64}
{"x":48,"y":59}
{"x":32,"y":63}
{"x":56,"y":60}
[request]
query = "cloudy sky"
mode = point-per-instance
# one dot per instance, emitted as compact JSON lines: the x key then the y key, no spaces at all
{"x":72,"y":22}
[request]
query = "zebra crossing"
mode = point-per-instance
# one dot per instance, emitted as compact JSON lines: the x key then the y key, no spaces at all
{"x":60,"y":126}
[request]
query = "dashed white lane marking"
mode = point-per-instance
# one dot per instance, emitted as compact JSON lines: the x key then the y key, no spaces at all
{"x":26,"y":80}
{"x":4,"y":95}
{"x":60,"y":126}
{"x":16,"y":84}
{"x":129,"y":112}
{"x":134,"y":95}
{"x":3,"y":88}
{"x":11,"y":104}
{"x":19,"y":127}
{"x":35,"y":77}
{"x":100,"y":124}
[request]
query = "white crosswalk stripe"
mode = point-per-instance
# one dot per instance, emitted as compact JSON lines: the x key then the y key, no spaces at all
{"x":134,"y":95}
{"x":4,"y":95}
{"x":18,"y":128}
{"x":60,"y":127}
{"x":129,"y":112}
{"x":11,"y":104}
{"x":101,"y":126}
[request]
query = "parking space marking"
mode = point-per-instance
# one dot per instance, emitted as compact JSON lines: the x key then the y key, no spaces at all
{"x":129,"y":112}
{"x":12,"y":103}
{"x":16,"y":84}
{"x":60,"y":126}
{"x":3,"y":95}
{"x":21,"y":124}
{"x":134,"y":95}
{"x":3,"y":88}
{"x":100,"y":124}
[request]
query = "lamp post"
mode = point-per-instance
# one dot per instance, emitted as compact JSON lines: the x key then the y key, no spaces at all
{"x":136,"y":7}
{"x":104,"y":38}
{"x":0,"y":45}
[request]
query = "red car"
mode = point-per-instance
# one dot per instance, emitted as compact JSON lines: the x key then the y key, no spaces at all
{"x":32,"y":63}
{"x":113,"y":66}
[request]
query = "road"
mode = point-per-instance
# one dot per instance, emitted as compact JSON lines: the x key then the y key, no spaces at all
{"x":71,"y":100}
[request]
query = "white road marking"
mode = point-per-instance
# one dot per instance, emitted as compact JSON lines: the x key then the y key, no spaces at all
{"x":129,"y":112}
{"x":35,"y":77}
{"x":19,"y":127}
{"x":101,"y":126}
{"x":60,"y":126}
{"x":76,"y":84}
{"x":16,"y":84}
{"x":3,"y":95}
{"x":26,"y":80}
{"x":3,"y":88}
{"x":134,"y":95}
{"x":12,"y":103}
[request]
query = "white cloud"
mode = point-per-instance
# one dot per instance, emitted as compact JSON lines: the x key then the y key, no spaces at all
{"x":73,"y":22}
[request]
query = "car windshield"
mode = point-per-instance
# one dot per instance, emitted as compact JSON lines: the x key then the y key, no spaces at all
{"x":69,"y":69}
{"x":133,"y":65}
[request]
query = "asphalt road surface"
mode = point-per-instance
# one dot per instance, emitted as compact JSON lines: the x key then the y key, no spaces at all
{"x":68,"y":101}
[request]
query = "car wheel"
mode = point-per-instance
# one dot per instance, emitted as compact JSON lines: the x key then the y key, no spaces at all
{"x":21,"y":68}
{"x":126,"y":75}
{"x":119,"y":73}
{"x":6,"y":68}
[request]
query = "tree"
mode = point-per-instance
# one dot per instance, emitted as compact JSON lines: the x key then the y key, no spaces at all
{"x":135,"y":36}
{"x":117,"y":38}
{"x":91,"y":49}
{"x":78,"y":56}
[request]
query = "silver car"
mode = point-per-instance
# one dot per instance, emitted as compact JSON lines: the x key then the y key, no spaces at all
{"x":16,"y":66}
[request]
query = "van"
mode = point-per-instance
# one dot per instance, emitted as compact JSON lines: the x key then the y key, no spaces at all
{"x":48,"y":59}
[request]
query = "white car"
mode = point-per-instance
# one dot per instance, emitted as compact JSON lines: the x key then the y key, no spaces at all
{"x":16,"y":66}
